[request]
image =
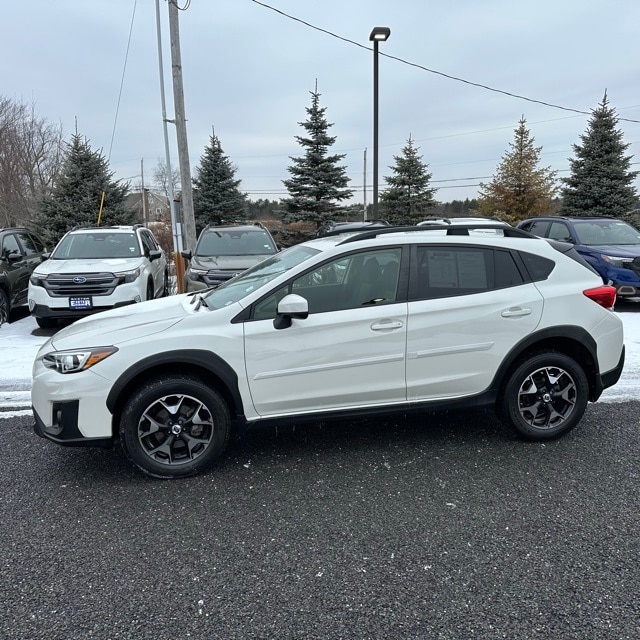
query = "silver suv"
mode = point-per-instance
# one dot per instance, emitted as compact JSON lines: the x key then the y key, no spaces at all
{"x":223,"y":252}
{"x":97,"y":268}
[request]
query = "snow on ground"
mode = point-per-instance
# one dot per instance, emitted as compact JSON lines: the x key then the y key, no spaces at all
{"x":20,"y":341}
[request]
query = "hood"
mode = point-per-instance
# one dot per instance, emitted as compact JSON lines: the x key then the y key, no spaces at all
{"x":125,"y":323}
{"x":89,"y":266}
{"x":621,"y":250}
{"x":239,"y":263}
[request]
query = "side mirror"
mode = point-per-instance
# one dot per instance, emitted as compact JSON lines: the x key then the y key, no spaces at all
{"x":291,"y":306}
{"x":14,"y":256}
{"x":45,"y":256}
{"x":186,"y":255}
{"x":154,"y":255}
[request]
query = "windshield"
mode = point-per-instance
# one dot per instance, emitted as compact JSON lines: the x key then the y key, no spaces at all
{"x":97,"y":245}
{"x":255,"y":277}
{"x":218,"y":242}
{"x":595,"y":232}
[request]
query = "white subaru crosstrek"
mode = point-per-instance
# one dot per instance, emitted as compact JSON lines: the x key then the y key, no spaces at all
{"x":392,"y":318}
{"x":97,"y":268}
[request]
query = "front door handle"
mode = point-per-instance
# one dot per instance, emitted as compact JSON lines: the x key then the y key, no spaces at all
{"x":385,"y":326}
{"x":514,"y":312}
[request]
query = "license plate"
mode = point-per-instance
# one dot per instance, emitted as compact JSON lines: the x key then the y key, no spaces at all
{"x":80,"y":303}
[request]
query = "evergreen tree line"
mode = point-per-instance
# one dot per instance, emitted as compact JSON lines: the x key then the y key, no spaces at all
{"x":80,"y":188}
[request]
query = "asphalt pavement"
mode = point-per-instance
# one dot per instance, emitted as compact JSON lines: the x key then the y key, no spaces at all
{"x":446,"y":527}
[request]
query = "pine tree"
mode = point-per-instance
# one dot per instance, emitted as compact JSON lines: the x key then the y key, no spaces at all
{"x":408,"y":196}
{"x":600,"y":183}
{"x":78,"y":192}
{"x":318,"y":183}
{"x":216,"y":197}
{"x":519,"y":189}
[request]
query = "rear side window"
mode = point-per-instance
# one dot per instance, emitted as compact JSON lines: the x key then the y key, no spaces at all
{"x":539,"y":268}
{"x":455,"y":271}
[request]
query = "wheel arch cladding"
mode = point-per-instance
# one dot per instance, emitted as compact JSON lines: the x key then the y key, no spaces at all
{"x":207,"y":366}
{"x":570,"y":340}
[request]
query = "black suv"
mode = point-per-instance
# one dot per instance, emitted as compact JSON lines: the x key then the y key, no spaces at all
{"x":21,"y":251}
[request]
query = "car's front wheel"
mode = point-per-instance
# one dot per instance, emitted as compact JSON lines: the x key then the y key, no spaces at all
{"x":174,"y":426}
{"x":46,"y":323}
{"x":545,"y":396}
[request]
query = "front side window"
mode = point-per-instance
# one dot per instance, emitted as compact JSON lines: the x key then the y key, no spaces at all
{"x":10,"y":245}
{"x":257,"y":276}
{"x":349,"y":282}
{"x":560,"y":231}
{"x":27,"y":244}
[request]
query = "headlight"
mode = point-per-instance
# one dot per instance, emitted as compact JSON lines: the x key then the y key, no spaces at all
{"x":36,"y":279}
{"x":128,"y":276}
{"x":196,"y":273}
{"x":617,"y":261}
{"x":73,"y":361}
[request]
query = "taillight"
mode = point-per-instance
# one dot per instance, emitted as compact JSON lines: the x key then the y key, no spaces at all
{"x":604,"y":296}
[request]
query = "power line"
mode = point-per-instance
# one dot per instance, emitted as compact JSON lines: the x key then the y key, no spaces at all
{"x":419,"y":66}
{"x":126,"y":57}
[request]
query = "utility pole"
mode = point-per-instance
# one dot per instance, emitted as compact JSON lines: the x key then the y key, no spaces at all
{"x":188,"y":216}
{"x":175,"y":223}
{"x":364,"y":185}
{"x":145,"y":209}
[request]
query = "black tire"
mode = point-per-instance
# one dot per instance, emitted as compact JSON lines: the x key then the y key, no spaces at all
{"x":174,"y":427}
{"x":165,"y":285}
{"x":150,"y":290}
{"x":5,"y":308}
{"x":545,"y":396}
{"x":46,"y":323}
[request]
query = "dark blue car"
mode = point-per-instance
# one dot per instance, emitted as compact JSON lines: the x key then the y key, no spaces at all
{"x":609,"y":245}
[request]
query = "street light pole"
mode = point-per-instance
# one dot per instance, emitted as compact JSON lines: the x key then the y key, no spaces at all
{"x":378,"y":34}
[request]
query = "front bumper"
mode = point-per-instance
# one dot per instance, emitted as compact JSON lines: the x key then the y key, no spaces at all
{"x":71,"y":409}
{"x":64,"y":427}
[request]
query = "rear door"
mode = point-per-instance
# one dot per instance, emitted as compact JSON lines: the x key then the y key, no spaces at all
{"x":468,"y":306}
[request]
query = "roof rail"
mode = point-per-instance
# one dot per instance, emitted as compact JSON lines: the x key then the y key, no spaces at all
{"x":458,"y":230}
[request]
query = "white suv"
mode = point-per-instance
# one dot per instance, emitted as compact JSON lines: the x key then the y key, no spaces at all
{"x":97,"y":268}
{"x":396,"y":318}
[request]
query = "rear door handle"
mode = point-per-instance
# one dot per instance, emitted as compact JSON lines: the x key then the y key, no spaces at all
{"x":514,"y":312}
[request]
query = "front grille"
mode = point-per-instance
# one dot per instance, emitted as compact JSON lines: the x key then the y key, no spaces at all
{"x":80,"y":284}
{"x":217,"y":276}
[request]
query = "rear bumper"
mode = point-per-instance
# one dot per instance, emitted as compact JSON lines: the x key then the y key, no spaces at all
{"x":608,"y":379}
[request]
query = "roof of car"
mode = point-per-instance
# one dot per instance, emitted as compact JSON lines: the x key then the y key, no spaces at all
{"x":479,"y":220}
{"x":570,"y":218}
{"x":244,"y":226}
{"x":110,"y":229}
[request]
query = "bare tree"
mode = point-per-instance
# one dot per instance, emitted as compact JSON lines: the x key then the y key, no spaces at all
{"x":31,"y":152}
{"x":161,"y":178}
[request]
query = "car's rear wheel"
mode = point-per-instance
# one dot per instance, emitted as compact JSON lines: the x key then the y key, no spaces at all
{"x":4,"y":307}
{"x":546,"y":396}
{"x":174,"y":426}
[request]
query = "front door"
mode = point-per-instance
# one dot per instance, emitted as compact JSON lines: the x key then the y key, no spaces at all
{"x":348,"y":353}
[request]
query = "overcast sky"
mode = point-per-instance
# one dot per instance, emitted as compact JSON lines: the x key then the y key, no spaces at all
{"x":248,"y":71}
